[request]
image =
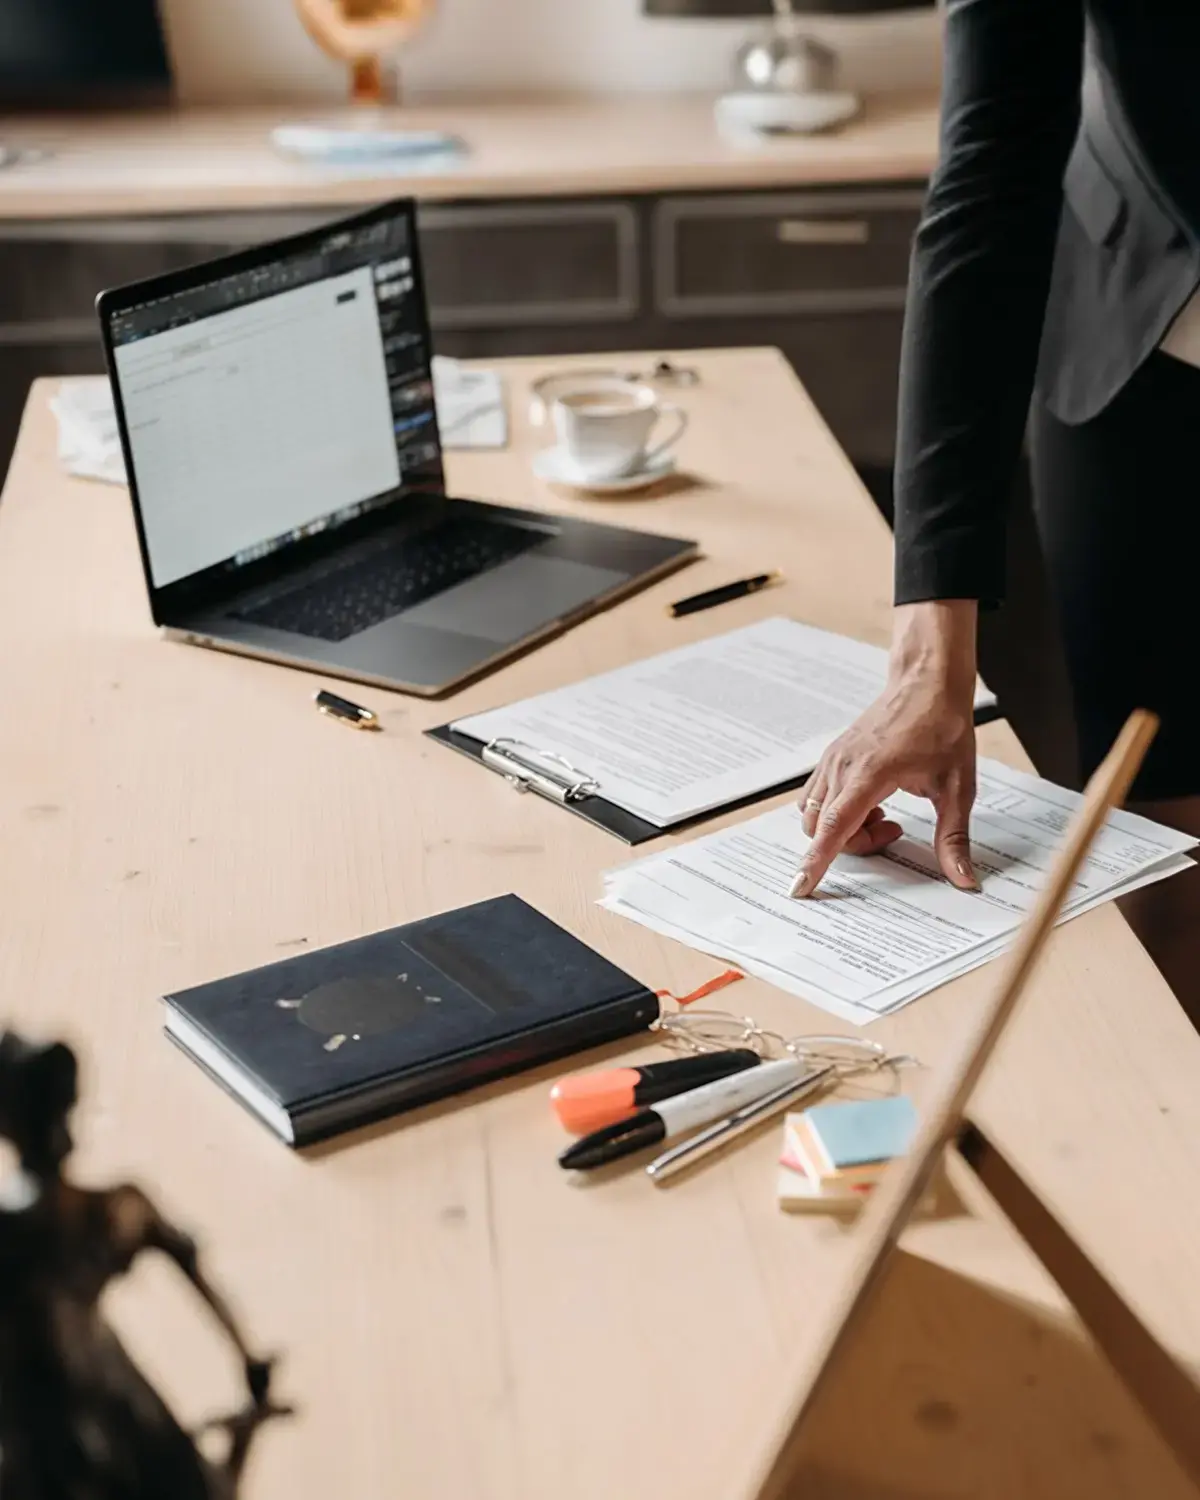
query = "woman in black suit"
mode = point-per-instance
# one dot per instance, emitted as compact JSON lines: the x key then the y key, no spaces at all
{"x":1064,"y":215}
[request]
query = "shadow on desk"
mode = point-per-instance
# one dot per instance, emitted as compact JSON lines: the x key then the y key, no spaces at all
{"x":1017,"y":1404}
{"x":680,"y":482}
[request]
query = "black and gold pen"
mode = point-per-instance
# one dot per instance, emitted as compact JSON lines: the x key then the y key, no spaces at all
{"x":727,"y":592}
{"x":344,"y":711}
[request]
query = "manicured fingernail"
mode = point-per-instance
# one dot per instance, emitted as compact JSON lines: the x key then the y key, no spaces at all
{"x":802,"y":883}
{"x":968,"y":874}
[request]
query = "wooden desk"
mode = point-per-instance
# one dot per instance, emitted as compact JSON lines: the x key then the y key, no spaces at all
{"x":458,"y":1319}
{"x":201,"y":160}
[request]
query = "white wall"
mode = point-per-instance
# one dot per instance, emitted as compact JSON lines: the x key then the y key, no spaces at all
{"x":247,"y":49}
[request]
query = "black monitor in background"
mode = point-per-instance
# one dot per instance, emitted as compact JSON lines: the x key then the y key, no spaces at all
{"x":55,"y":54}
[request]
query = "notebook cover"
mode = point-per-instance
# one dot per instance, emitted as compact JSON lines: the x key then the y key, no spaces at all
{"x":858,"y":1132}
{"x":468,"y":984}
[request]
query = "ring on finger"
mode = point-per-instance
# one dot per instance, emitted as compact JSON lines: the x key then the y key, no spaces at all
{"x":812,"y":804}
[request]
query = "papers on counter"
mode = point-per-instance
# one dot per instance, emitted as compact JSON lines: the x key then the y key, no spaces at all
{"x":470,"y":405}
{"x":883,"y":930}
{"x":88,"y":442}
{"x":703,"y":726}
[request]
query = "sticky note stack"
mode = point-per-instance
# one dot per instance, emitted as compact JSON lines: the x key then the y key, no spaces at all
{"x":834,"y":1154}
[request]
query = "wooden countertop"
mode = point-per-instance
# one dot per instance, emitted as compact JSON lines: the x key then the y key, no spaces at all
{"x":455,"y":1318}
{"x":193,"y":160}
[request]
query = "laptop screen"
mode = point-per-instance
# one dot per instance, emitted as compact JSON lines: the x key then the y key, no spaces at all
{"x":269,"y":404}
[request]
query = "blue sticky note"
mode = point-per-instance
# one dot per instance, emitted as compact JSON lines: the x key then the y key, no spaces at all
{"x":861,"y":1131}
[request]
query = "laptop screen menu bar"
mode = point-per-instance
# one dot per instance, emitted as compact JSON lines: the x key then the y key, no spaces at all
{"x":273,"y":403}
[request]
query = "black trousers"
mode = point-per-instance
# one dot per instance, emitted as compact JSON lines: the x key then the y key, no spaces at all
{"x":1118,"y":508}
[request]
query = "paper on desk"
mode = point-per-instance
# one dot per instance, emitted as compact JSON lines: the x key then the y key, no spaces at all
{"x":886,"y":929}
{"x":88,"y":442}
{"x":470,"y":406}
{"x":705,"y":725}
{"x":862,"y":1015}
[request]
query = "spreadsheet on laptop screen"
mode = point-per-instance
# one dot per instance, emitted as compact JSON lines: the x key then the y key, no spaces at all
{"x":270,"y":404}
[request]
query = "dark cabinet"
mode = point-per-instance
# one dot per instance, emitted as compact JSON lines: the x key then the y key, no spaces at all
{"x":785,"y":254}
{"x":820,"y":273}
{"x":50,"y":273}
{"x":516,"y":265}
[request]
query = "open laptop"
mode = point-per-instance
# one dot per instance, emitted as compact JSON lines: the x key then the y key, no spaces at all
{"x":277,"y":419}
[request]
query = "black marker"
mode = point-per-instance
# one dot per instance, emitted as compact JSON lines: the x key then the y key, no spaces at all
{"x":672,"y":1117}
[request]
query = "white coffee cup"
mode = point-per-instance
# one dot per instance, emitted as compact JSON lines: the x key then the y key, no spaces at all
{"x":604,"y":425}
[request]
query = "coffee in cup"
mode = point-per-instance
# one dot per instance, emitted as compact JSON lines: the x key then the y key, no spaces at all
{"x":604,"y":426}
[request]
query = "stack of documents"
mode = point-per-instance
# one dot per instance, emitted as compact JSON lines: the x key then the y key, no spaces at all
{"x":706,"y":725}
{"x":883,"y":930}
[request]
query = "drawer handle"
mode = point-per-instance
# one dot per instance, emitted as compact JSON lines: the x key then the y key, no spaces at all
{"x":823,"y":231}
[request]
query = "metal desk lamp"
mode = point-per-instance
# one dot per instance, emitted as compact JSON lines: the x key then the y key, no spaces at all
{"x":785,"y":82}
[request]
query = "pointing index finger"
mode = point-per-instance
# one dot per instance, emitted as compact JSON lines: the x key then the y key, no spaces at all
{"x":840,"y":820}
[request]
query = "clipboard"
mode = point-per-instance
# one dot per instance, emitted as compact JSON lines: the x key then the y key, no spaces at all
{"x":570,"y":787}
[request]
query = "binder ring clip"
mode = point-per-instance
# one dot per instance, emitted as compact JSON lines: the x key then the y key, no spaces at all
{"x":511,"y":758}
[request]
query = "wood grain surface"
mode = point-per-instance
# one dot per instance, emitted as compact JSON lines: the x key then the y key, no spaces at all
{"x":456,"y":1318}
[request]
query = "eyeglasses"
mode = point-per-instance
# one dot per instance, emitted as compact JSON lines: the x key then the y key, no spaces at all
{"x":716,"y":1030}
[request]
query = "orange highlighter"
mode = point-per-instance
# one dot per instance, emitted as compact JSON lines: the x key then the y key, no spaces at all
{"x":589,"y":1101}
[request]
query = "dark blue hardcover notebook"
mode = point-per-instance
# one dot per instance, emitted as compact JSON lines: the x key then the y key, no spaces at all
{"x":329,"y":1040}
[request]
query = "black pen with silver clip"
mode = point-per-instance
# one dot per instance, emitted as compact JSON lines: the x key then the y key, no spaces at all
{"x":715,"y":1135}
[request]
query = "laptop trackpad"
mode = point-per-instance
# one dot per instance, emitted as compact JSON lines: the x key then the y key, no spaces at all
{"x":510,"y":602}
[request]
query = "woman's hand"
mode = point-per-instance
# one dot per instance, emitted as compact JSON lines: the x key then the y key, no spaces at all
{"x":918,"y":736}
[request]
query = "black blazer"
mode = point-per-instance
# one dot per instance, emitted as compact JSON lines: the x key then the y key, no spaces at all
{"x":1060,"y":238}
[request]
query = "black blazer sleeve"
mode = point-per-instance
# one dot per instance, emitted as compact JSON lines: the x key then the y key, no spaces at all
{"x":978,"y":285}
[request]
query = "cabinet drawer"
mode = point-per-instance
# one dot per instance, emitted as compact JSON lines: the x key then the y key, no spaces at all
{"x":538,"y":263}
{"x":784,"y":253}
{"x":51,"y":273}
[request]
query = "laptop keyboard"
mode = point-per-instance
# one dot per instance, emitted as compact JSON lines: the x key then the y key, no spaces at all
{"x":392,"y":578}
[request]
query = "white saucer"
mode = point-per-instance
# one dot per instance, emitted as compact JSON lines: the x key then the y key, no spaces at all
{"x":553,"y":465}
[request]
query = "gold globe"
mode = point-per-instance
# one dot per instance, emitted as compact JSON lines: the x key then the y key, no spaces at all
{"x":362,"y":33}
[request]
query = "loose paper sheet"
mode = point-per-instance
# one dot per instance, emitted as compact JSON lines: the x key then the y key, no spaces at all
{"x":885,"y":929}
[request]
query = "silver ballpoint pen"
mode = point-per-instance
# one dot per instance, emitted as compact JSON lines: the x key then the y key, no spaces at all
{"x":716,"y":1134}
